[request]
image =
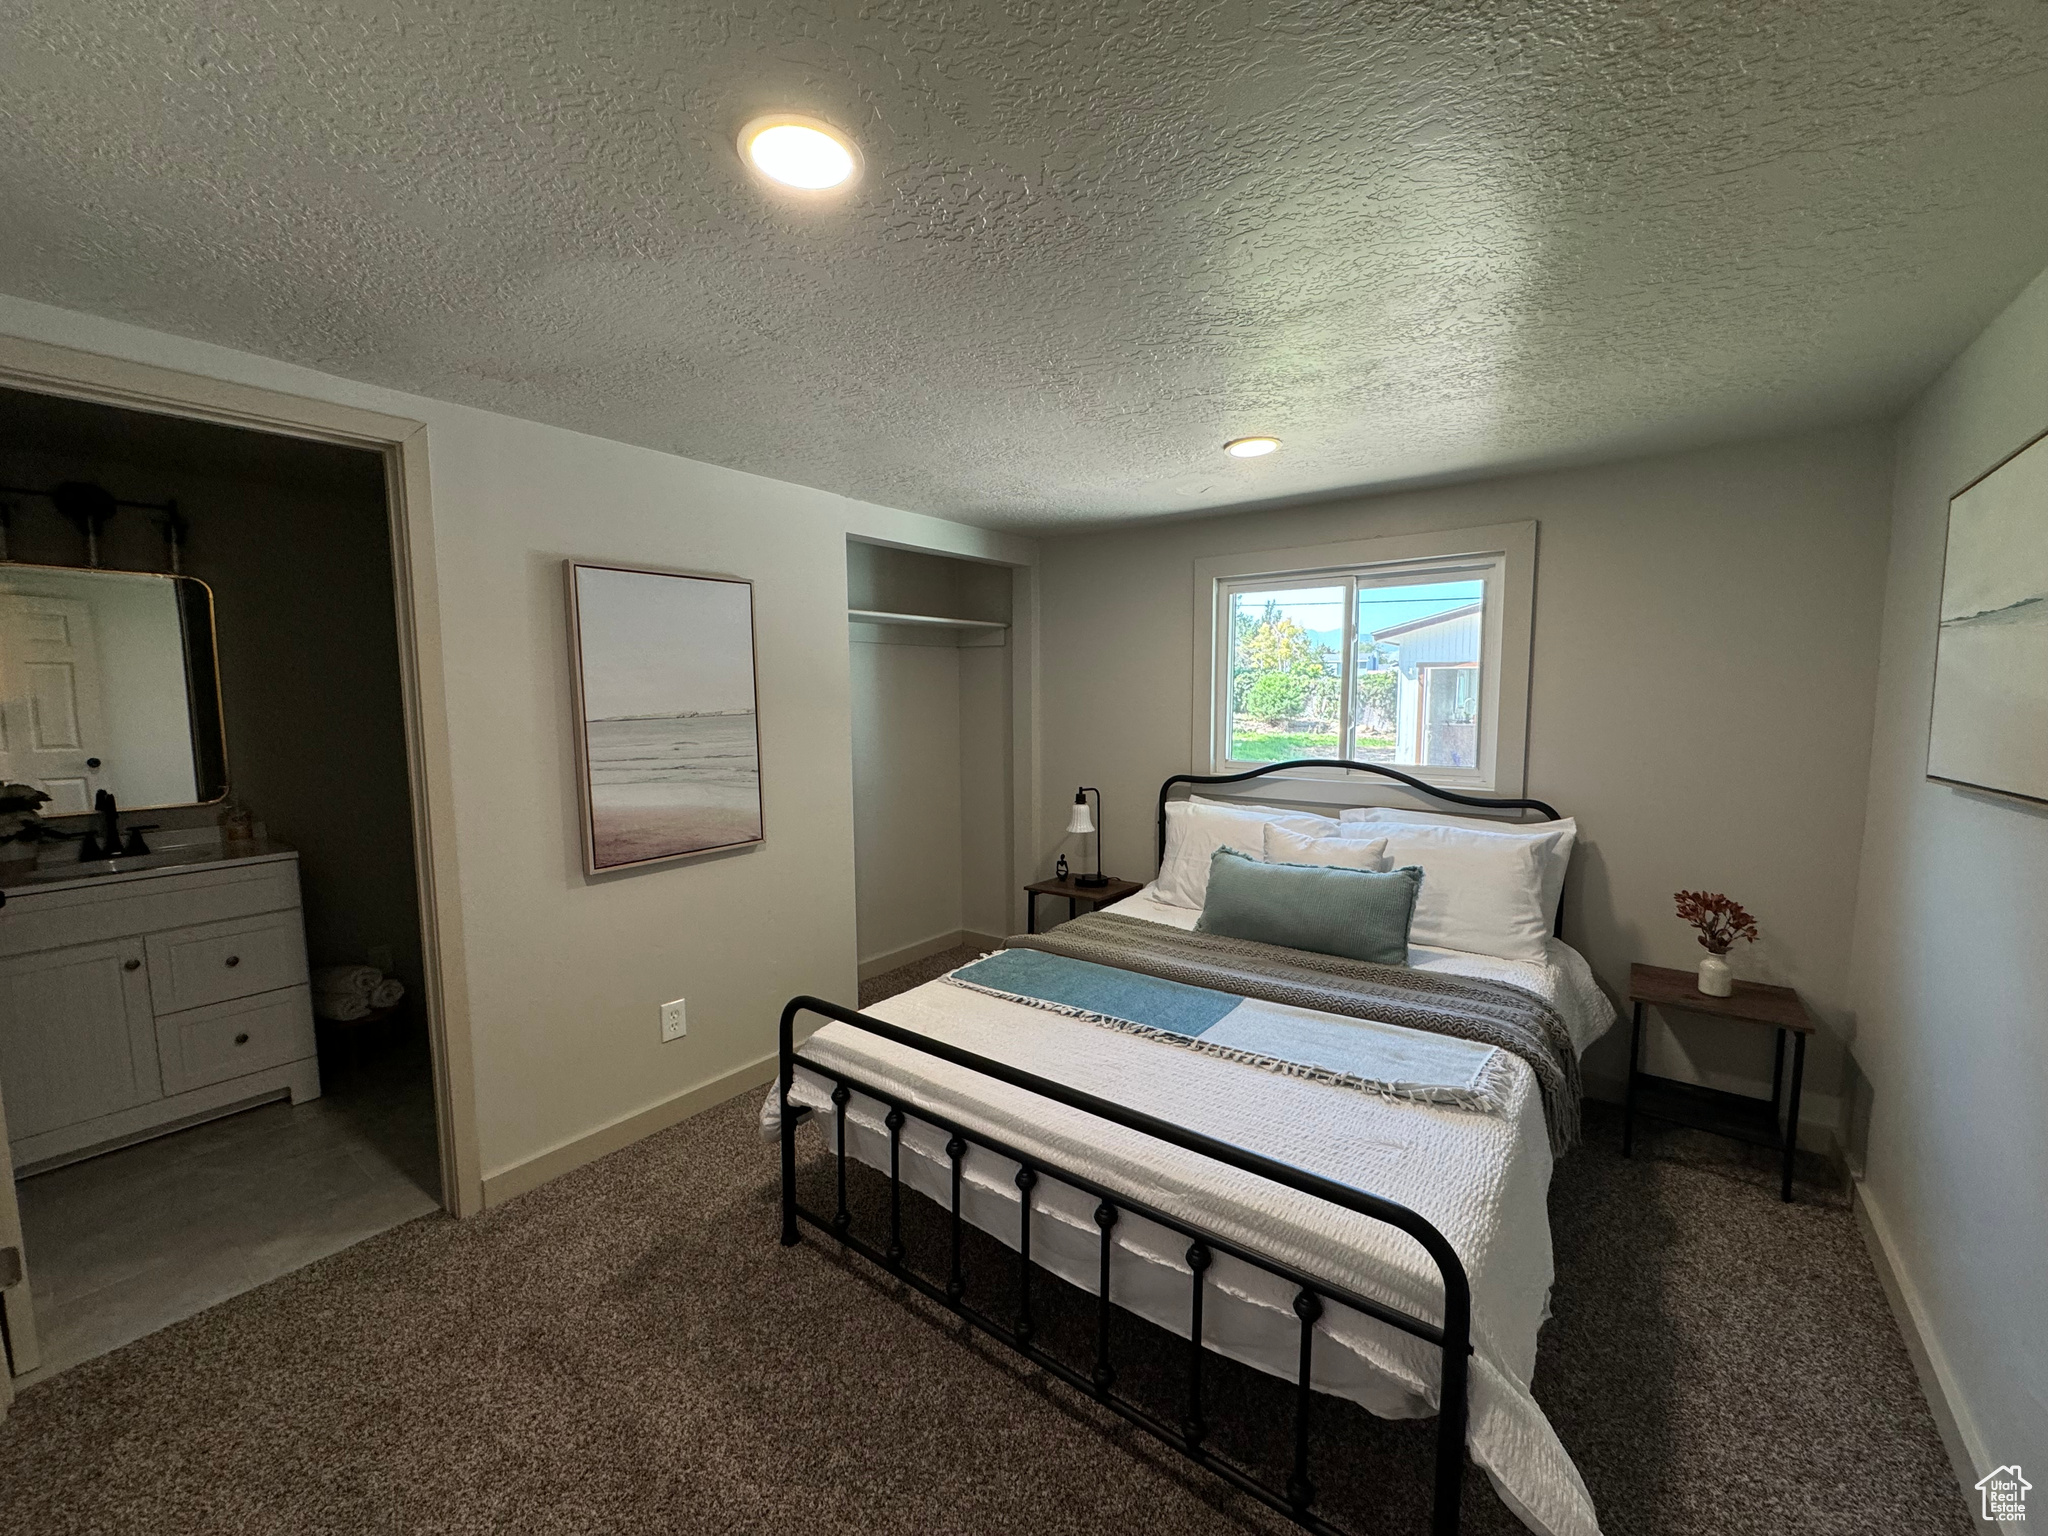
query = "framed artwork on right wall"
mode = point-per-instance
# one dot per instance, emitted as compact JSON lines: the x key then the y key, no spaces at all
{"x":1990,"y":721}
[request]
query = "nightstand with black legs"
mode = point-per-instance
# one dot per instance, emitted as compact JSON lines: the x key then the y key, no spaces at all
{"x":1097,"y":896}
{"x":1772,"y":1122}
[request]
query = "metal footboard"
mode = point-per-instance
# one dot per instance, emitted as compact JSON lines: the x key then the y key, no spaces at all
{"x":1452,"y":1337}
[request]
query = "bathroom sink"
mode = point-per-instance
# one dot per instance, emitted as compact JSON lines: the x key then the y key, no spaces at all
{"x":121,"y":866}
{"x":185,"y":856}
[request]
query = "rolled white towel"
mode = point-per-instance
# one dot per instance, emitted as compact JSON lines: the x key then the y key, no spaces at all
{"x":347,"y":980}
{"x":387,"y":993}
{"x":340,"y":1007}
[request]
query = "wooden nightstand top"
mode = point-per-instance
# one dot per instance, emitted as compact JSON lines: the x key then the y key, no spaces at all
{"x":1101,"y":895}
{"x":1753,"y":1001}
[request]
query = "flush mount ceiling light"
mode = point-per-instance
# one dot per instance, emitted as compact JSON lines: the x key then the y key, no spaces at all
{"x":799,"y":152}
{"x":1250,"y":447}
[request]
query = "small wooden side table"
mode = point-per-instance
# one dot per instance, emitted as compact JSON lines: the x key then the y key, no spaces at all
{"x":1736,"y":1115}
{"x":1097,"y":896}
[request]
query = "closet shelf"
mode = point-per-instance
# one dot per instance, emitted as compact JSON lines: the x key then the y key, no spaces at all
{"x":922,"y":620}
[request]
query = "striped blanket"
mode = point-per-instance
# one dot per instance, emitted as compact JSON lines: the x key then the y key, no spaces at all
{"x":1360,"y":1054}
{"x":1488,"y":1012}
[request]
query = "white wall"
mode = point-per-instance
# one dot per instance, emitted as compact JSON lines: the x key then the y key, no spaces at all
{"x":1950,"y":974}
{"x":1701,"y":694}
{"x":566,"y":973}
{"x":932,"y":800}
{"x":988,"y":885}
{"x":906,"y":790}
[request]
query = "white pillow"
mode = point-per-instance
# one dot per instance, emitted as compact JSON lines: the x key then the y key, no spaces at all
{"x":1329,"y":826}
{"x":1554,"y":839}
{"x":1194,"y":830}
{"x":1286,"y":847}
{"x":1480,"y":891}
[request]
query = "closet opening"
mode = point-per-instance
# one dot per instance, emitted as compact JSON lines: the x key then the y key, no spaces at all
{"x":215,"y":1063}
{"x":932,"y":755}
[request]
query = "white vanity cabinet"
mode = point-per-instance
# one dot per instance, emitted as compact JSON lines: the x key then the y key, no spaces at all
{"x":134,"y":1003}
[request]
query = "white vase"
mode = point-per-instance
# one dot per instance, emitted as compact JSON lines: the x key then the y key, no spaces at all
{"x":1716,"y":980}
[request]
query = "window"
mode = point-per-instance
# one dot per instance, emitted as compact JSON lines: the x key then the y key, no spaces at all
{"x":1401,"y":660}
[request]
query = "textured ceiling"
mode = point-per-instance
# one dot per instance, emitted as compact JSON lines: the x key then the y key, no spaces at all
{"x":1093,"y":241}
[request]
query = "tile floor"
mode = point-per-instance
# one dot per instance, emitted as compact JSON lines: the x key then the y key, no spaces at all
{"x":127,"y":1243}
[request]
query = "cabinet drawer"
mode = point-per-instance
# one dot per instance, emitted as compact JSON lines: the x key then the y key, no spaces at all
{"x":192,"y":967}
{"x":146,"y":903}
{"x":211,"y":1045}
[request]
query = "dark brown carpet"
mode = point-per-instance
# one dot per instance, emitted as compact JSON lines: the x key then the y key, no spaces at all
{"x":629,"y":1350}
{"x":916,"y":974}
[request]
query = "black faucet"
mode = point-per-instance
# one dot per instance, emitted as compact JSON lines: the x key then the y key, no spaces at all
{"x":108,"y":844}
{"x":110,"y":829}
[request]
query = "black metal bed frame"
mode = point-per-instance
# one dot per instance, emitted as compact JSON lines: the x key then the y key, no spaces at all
{"x":1453,"y":1336}
{"x":1490,"y":802}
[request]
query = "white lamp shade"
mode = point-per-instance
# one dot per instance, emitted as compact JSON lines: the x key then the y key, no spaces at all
{"x":1080,"y":821}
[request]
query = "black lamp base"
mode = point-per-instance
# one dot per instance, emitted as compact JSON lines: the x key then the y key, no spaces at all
{"x":1091,"y":880}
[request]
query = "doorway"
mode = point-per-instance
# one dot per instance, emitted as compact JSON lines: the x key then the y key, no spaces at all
{"x":932,"y":692}
{"x":217,"y":997}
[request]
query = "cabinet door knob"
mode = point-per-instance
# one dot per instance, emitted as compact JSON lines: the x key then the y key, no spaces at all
{"x":241,"y":1039}
{"x":234,"y":960}
{"x":131,"y":965}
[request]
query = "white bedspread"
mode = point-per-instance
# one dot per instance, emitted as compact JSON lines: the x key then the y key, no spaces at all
{"x":1480,"y":1179}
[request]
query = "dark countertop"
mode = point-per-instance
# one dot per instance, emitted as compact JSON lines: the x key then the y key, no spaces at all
{"x":69,"y":877}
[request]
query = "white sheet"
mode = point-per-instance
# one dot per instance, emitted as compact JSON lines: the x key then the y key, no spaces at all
{"x":1481,"y":1180}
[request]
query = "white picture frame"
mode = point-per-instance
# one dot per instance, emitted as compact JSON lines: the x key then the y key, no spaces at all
{"x":1987,"y":727}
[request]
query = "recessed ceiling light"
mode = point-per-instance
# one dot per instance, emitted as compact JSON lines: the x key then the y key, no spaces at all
{"x":1250,"y":447}
{"x":799,"y":152}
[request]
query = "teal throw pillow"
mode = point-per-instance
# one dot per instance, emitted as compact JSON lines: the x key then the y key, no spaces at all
{"x":1356,"y":913}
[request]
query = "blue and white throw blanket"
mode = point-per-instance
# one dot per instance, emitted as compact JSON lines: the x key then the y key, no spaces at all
{"x":1461,"y":1010}
{"x":1358,"y":1053}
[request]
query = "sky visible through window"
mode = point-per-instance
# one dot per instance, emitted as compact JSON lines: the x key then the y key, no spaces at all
{"x":1318,"y":610}
{"x":1383,"y":607}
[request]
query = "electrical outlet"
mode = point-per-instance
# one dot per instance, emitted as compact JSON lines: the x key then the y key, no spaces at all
{"x":674,"y":1022}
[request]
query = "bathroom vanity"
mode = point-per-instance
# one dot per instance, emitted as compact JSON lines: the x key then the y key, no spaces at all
{"x":150,"y":995}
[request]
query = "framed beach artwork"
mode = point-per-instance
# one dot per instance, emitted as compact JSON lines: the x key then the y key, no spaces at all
{"x":666,"y":747}
{"x":1990,"y":722}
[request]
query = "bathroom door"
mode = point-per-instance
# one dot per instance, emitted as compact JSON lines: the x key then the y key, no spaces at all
{"x":52,"y":731}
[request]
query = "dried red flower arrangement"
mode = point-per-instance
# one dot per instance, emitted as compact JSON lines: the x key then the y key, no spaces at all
{"x":1720,"y":921}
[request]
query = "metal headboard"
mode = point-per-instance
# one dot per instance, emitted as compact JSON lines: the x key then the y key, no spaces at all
{"x":1435,"y":792}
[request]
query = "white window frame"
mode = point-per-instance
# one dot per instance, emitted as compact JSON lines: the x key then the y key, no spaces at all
{"x":1504,"y":556}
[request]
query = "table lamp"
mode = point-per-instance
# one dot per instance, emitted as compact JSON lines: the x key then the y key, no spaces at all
{"x":1081,"y":823}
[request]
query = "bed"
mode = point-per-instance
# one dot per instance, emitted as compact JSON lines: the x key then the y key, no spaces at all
{"x":1385,"y":1249}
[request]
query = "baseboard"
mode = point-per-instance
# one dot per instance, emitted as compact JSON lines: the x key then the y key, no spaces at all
{"x":510,"y":1183}
{"x":1960,"y":1436}
{"x":924,"y":950}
